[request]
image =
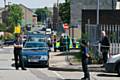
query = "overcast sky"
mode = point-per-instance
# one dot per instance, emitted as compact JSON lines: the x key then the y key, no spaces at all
{"x":32,"y":3}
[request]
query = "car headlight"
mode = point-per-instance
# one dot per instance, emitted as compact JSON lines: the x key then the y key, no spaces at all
{"x":44,"y":58}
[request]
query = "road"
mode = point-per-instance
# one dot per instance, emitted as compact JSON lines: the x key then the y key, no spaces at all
{"x":8,"y":72}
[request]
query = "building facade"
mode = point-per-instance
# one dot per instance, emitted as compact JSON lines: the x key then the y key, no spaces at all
{"x":27,"y":16}
{"x":76,"y":12}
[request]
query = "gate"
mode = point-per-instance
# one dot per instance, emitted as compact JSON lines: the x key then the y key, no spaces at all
{"x":94,"y":35}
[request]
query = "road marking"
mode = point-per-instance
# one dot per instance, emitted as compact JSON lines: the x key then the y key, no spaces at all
{"x":57,"y":74}
{"x":48,"y":73}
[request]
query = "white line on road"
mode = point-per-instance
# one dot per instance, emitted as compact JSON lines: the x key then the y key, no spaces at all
{"x":57,"y":74}
{"x":48,"y":73}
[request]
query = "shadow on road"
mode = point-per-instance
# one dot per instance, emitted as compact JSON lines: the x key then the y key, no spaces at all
{"x":79,"y":69}
{"x":31,"y":66}
{"x":63,"y":69}
{"x":107,"y":75}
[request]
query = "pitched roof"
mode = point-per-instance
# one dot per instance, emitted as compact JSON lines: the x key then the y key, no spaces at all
{"x":26,"y":7}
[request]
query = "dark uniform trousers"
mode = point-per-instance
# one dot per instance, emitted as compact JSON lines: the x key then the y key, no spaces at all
{"x":85,"y":67}
{"x":18,"y":58}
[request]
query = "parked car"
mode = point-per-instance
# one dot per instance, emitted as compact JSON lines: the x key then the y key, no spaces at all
{"x":9,"y":42}
{"x":1,"y":43}
{"x":35,"y":53}
{"x":113,"y":64}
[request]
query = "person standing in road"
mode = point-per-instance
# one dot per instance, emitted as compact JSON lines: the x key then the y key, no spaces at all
{"x":55,"y":41}
{"x":18,"y":53}
{"x":85,"y":56}
{"x":105,"y":44}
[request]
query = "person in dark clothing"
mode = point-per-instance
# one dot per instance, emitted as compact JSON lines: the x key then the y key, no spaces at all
{"x":18,"y":54}
{"x":61,"y":43}
{"x":104,"y":47}
{"x":68,"y":43}
{"x":85,"y":56}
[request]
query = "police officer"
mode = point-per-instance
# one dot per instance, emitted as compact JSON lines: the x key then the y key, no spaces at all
{"x":55,"y":37}
{"x":85,"y":56}
{"x":17,"y":53}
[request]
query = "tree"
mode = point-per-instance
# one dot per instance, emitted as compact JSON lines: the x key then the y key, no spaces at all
{"x":42,"y":14}
{"x":64,"y":11}
{"x":15,"y":16}
{"x":2,"y":27}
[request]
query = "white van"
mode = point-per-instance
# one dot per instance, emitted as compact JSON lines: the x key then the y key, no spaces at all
{"x":48,"y":31}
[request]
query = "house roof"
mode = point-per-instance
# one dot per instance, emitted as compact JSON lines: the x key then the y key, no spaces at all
{"x":26,"y":7}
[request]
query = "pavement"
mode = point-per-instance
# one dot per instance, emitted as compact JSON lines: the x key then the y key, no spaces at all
{"x":61,"y":62}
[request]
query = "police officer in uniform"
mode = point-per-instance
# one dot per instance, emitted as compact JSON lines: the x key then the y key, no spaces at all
{"x":17,"y":53}
{"x":85,"y":56}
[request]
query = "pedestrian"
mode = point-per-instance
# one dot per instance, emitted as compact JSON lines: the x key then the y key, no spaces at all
{"x":85,"y":56}
{"x":18,"y":53}
{"x":61,"y":43}
{"x":55,"y":41}
{"x":68,"y":43}
{"x":105,"y":44}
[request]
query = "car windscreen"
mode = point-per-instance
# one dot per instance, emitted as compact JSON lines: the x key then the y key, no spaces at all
{"x":35,"y":45}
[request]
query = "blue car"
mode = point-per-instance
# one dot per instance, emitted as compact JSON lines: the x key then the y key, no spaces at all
{"x":35,"y":53}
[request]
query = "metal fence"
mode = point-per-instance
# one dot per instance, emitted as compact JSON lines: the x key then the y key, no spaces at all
{"x":93,"y":33}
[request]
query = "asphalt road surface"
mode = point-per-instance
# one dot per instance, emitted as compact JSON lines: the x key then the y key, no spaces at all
{"x":8,"y":72}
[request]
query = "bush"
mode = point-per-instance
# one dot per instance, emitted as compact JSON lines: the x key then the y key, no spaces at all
{"x":2,"y":27}
{"x":8,"y":36}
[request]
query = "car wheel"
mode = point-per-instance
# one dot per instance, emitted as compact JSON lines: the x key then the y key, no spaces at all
{"x":118,"y":69}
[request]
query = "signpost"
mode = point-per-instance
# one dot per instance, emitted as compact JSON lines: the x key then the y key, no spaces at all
{"x":66,"y":26}
{"x":17,"y":29}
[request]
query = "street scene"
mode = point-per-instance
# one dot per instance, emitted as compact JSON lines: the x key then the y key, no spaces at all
{"x":59,"y":40}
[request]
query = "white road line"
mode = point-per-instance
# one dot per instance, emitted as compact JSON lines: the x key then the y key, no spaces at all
{"x":57,"y":74}
{"x":48,"y":73}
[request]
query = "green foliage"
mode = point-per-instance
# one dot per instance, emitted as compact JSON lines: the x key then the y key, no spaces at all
{"x":2,"y":27}
{"x":9,"y":36}
{"x":15,"y":15}
{"x":85,"y":36}
{"x":42,"y":14}
{"x":64,"y":11}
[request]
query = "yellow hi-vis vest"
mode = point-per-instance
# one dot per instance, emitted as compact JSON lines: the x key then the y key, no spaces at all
{"x":57,"y":44}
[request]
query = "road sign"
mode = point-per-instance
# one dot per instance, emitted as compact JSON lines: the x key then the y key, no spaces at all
{"x":17,"y":29}
{"x":66,"y":26}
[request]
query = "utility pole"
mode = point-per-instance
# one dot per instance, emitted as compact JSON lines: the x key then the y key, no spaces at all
{"x":98,"y":7}
{"x":57,"y":24}
{"x":97,"y":22}
{"x":5,"y":3}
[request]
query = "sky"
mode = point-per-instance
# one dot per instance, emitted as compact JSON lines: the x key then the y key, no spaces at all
{"x":32,"y":3}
